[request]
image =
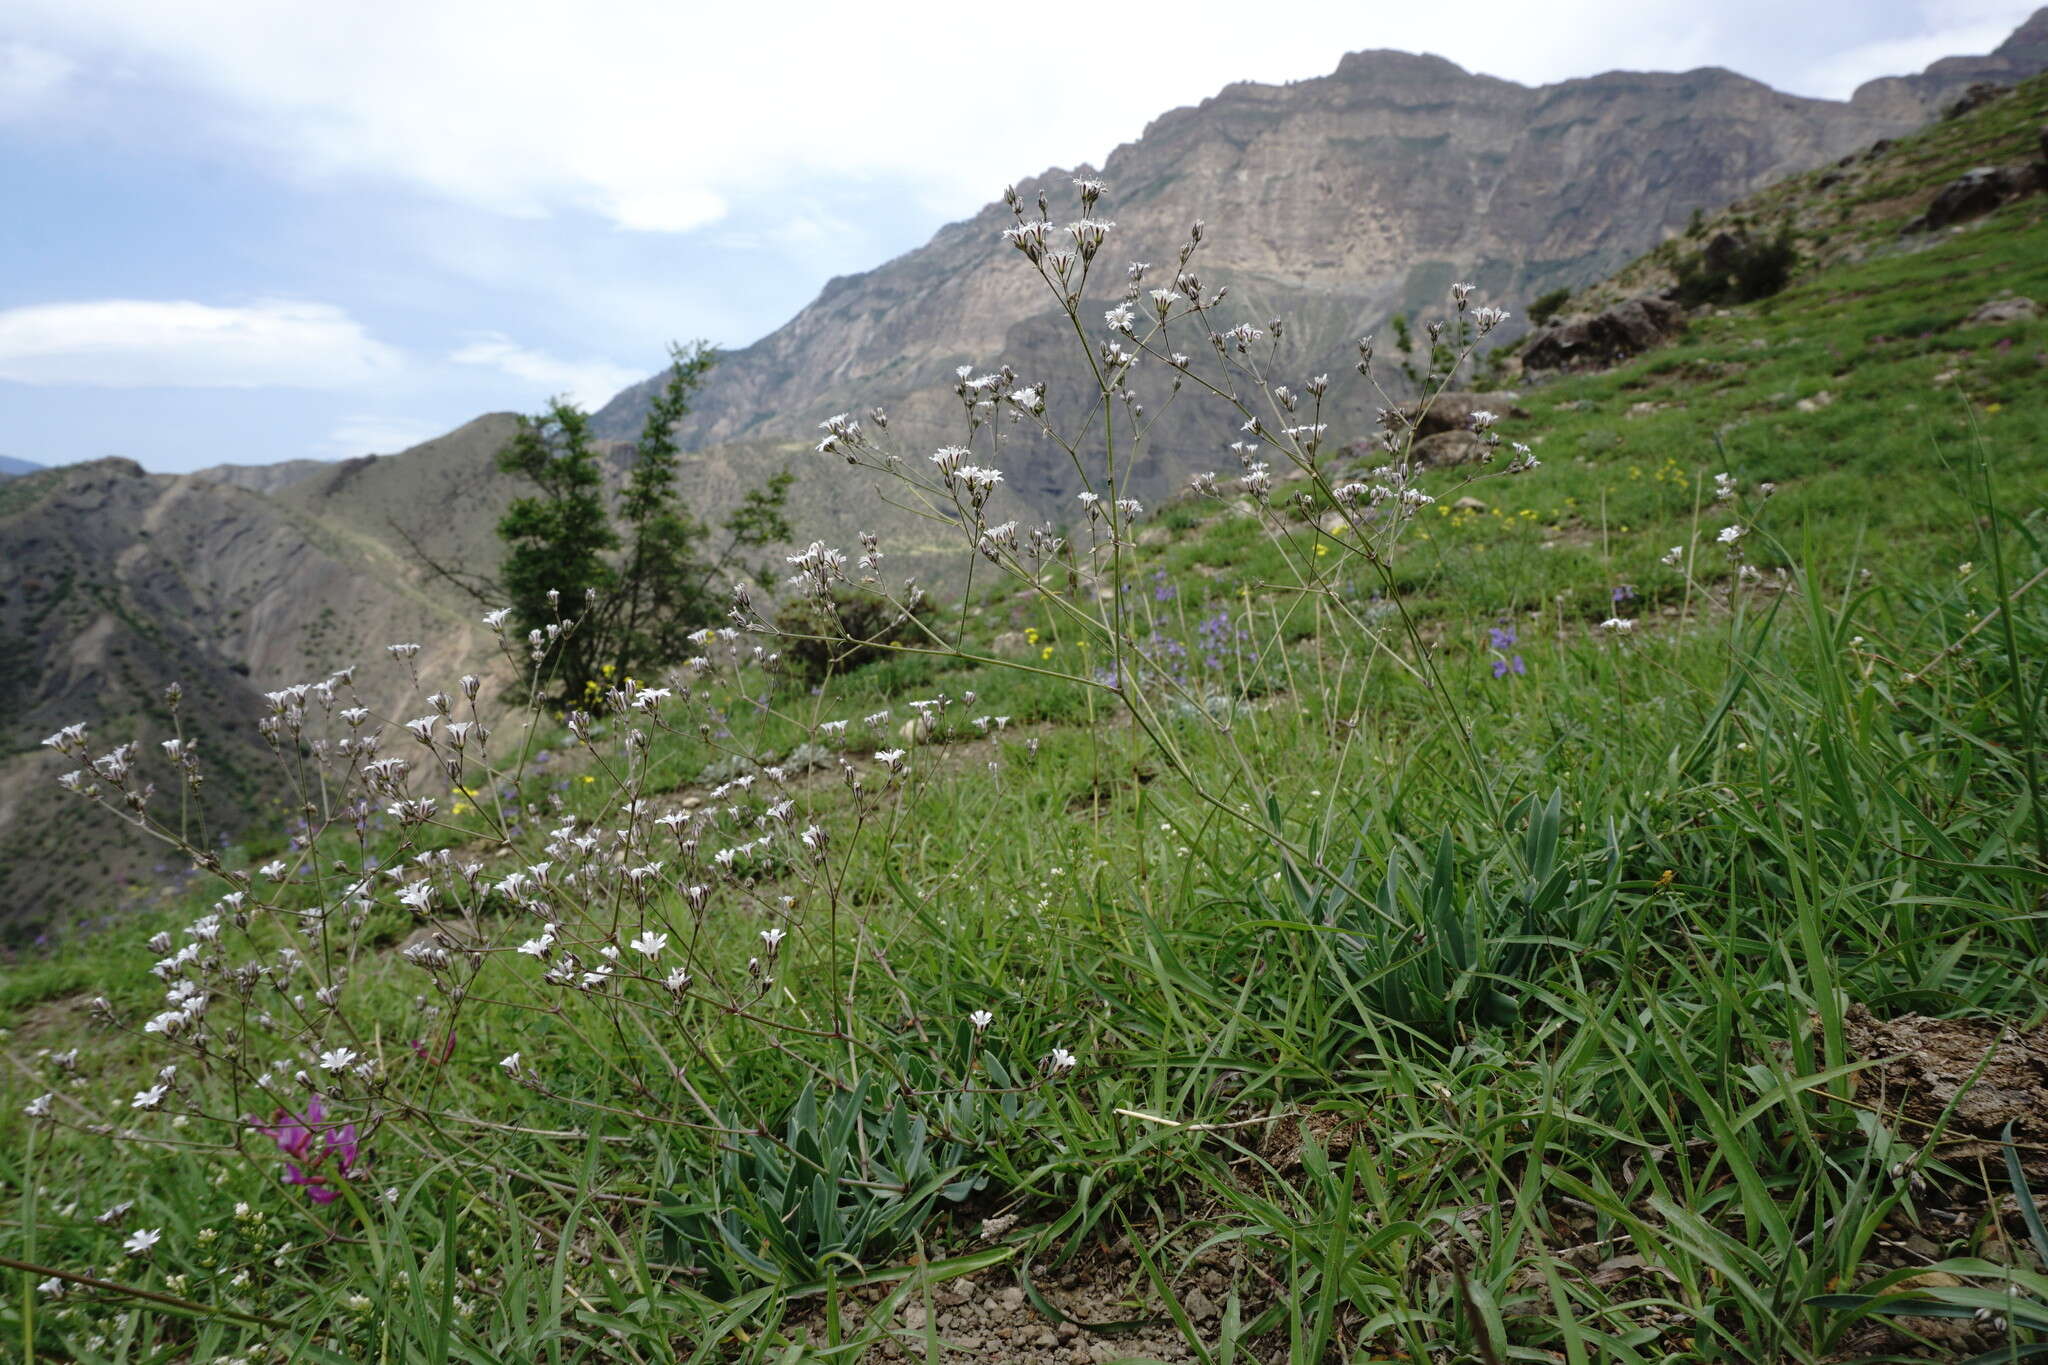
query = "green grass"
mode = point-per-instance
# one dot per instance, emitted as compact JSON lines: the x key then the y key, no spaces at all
{"x":1561,"y":965}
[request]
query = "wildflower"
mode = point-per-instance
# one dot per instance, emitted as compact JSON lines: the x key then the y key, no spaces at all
{"x":773,"y":938}
{"x":981,"y":1019}
{"x":337,"y":1059}
{"x":1730,"y":534}
{"x":893,"y":758}
{"x":649,"y":944}
{"x":1060,"y":1060}
{"x":511,"y":1063}
{"x":150,"y":1098}
{"x":142,"y":1240}
{"x":1724,"y":487}
{"x":1674,"y":556}
{"x":39,"y":1107}
{"x":309,"y":1140}
{"x":496,"y":619}
{"x":1619,"y":625}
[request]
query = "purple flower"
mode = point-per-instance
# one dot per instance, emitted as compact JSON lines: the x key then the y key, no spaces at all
{"x":1625,"y":593}
{"x":1505,"y":665}
{"x":310,"y":1141}
{"x":1502,"y":637}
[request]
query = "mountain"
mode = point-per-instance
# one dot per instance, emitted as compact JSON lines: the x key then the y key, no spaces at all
{"x":12,"y":468}
{"x":114,"y":582}
{"x":261,"y":478}
{"x":1336,"y":202}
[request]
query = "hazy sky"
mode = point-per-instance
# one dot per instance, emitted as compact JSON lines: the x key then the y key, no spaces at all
{"x":255,"y":230}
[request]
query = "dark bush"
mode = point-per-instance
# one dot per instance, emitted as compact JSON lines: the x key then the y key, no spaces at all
{"x":1546,"y":306}
{"x":1736,"y":268}
{"x":856,"y":629}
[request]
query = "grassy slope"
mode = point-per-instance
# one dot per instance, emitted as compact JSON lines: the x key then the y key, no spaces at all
{"x":1627,"y":1155}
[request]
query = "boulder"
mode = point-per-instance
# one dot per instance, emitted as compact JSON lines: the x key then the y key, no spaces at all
{"x":1452,"y":411}
{"x":1448,"y":448}
{"x":1972,"y":194}
{"x":1979,"y":94}
{"x":1594,"y":343}
{"x":1998,"y":312}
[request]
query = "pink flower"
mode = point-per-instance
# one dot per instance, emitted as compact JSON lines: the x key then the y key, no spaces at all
{"x":310,"y":1140}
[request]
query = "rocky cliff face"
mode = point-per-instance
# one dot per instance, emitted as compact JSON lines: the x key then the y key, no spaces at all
{"x":1336,"y":201}
{"x":114,"y":582}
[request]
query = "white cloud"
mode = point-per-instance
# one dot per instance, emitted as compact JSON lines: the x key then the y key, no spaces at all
{"x":144,"y":343}
{"x":1944,"y":32}
{"x":588,"y":383}
{"x":367,"y":434}
{"x":29,"y":77}
{"x":657,"y":116}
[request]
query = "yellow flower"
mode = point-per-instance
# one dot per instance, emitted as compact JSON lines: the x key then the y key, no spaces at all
{"x":606,"y":670}
{"x":1321,"y":549}
{"x":458,"y":808}
{"x":1045,"y":653}
{"x":1031,"y":635}
{"x":587,"y":780}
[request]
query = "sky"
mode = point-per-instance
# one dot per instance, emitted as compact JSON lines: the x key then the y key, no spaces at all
{"x":255,"y":230}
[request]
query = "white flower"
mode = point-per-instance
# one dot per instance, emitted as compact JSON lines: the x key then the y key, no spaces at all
{"x":649,"y":944}
{"x":150,"y":1098}
{"x":1620,"y":625}
{"x":1730,"y":534}
{"x":1675,"y":555}
{"x":337,"y":1059}
{"x":496,"y":619}
{"x":141,"y":1240}
{"x":39,"y":1107}
{"x":981,"y":1019}
{"x":773,"y":938}
{"x":1061,"y":1060}
{"x":510,"y":1063}
{"x":52,"y":1288}
{"x":893,"y":758}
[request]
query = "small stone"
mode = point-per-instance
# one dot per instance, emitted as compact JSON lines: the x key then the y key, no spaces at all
{"x":913,"y":1316}
{"x":1997,"y":312}
{"x":1012,"y":1298}
{"x":1468,"y":504}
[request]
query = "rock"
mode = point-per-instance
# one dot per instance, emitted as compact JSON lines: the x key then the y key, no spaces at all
{"x":1593,"y":343}
{"x":1972,"y":194}
{"x":1448,"y":448}
{"x":1199,"y":1306}
{"x":1452,"y":411}
{"x":1997,"y":312}
{"x":1644,"y":408}
{"x":913,"y":1316}
{"x":1012,"y":1298}
{"x":1816,"y":402}
{"x":1976,"y":96}
{"x":1468,"y":504}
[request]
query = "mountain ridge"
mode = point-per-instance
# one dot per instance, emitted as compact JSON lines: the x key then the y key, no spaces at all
{"x":1393,"y":150}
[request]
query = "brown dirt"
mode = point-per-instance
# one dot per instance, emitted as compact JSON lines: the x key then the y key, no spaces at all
{"x":1104,"y":1309}
{"x":1966,"y":1078}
